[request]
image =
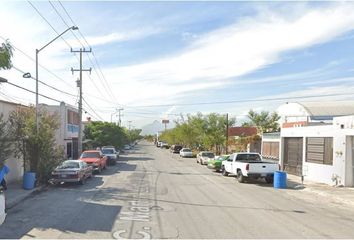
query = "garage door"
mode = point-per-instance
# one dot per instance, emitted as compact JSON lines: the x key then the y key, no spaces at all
{"x":270,"y":150}
{"x":293,"y":155}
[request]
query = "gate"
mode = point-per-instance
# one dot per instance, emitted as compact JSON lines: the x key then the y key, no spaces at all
{"x":293,"y":155}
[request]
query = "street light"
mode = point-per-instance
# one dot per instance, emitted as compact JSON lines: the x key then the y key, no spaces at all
{"x":3,"y":80}
{"x":28,"y":75}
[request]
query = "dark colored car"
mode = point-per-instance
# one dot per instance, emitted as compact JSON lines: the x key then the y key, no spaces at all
{"x":71,"y":171}
{"x":176,"y":148}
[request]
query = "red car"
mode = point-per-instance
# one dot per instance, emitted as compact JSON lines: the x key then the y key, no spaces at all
{"x":94,"y":158}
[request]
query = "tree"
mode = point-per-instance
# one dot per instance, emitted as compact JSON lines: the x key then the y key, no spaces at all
{"x":5,"y":140}
{"x":264,"y":121}
{"x":199,"y":131}
{"x":133,"y":135}
{"x":6,"y":55}
{"x":104,"y":133}
{"x":39,"y":151}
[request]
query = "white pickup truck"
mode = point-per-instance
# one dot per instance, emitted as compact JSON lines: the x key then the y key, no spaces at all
{"x":249,"y":165}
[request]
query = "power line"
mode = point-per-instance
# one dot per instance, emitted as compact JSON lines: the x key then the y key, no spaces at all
{"x":42,"y":95}
{"x":32,"y":59}
{"x":42,"y":16}
{"x":246,"y":100}
{"x":106,"y":85}
{"x":54,"y":88}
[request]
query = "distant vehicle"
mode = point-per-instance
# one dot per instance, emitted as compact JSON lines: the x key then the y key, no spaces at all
{"x":127,"y":147}
{"x":164,"y":145}
{"x":216,"y":162}
{"x":204,"y":157}
{"x":158,"y":144}
{"x":175,"y":148}
{"x":94,"y":158}
{"x":111,"y":155}
{"x":71,"y":171}
{"x":249,"y":165}
{"x":186,"y":152}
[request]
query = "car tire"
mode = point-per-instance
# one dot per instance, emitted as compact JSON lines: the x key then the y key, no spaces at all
{"x":82,"y":181}
{"x":269,"y":180}
{"x":240,"y":177}
{"x":224,"y":172}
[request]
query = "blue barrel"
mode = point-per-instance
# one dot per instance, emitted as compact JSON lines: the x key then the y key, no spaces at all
{"x":29,"y":180}
{"x":280,"y":179}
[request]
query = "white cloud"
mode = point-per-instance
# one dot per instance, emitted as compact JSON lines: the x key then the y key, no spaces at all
{"x":209,"y":62}
{"x":236,"y":50}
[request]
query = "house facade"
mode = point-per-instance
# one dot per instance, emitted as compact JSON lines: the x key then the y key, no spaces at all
{"x":15,"y":164}
{"x":322,"y":153}
{"x":68,"y":132}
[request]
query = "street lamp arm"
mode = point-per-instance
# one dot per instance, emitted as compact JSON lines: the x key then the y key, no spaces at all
{"x":70,"y":28}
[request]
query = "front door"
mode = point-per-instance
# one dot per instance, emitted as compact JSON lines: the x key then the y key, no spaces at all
{"x":293,"y":155}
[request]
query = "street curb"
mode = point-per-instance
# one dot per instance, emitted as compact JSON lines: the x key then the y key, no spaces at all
{"x":31,"y":193}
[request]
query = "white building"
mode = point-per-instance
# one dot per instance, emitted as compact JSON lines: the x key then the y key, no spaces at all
{"x":306,"y":113}
{"x":322,"y":153}
{"x":67,"y":134}
{"x":15,"y":164}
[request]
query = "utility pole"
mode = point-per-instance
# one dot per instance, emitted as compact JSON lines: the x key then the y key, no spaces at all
{"x":129,"y":124}
{"x":80,"y":99}
{"x":227,"y":132}
{"x":119,"y":115}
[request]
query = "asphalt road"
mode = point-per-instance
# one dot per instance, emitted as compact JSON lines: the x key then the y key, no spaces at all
{"x":152,"y":193}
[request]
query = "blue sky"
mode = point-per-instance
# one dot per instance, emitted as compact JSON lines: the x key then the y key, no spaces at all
{"x":157,"y":53}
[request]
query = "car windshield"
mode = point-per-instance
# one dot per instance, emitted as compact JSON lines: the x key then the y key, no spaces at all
{"x":69,"y":164}
{"x":90,"y":155}
{"x":107,"y":151}
{"x":208,"y":154}
{"x":187,"y":150}
{"x":248,"y":157}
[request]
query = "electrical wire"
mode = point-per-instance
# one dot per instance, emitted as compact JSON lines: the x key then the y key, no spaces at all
{"x":108,"y":89}
{"x":104,"y":81}
{"x":244,"y":101}
{"x":54,"y":88}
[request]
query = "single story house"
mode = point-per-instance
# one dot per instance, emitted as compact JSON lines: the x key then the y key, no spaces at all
{"x":322,"y":152}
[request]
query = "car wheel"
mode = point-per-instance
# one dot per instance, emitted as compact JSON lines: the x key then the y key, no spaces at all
{"x":83,"y":180}
{"x":201,"y":162}
{"x":224,"y":172}
{"x":240,"y":177}
{"x":269,"y":180}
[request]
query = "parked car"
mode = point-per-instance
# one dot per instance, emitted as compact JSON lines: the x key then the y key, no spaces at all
{"x":127,"y":147}
{"x":176,"y":148}
{"x":164,"y":145}
{"x":249,"y":165}
{"x":94,"y":158}
{"x":71,"y":171}
{"x":111,"y":155}
{"x":185,"y":152}
{"x":216,"y":162}
{"x":204,"y":157}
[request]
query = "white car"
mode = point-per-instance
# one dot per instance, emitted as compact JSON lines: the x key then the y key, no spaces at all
{"x":2,"y":207}
{"x":204,"y":157}
{"x":185,"y":152}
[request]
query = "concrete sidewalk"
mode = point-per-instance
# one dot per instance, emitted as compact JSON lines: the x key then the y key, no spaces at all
{"x":16,"y":194}
{"x":343,"y":195}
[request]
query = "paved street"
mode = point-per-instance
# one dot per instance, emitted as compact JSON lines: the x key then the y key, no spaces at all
{"x":154,"y":194}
